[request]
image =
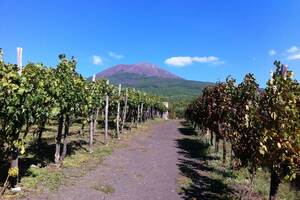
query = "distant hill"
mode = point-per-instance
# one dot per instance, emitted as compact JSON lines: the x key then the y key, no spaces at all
{"x":150,"y":78}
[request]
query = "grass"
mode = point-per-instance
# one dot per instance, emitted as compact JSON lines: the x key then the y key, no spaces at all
{"x":44,"y":176}
{"x":261,"y":185}
{"x":261,"y":181}
{"x":201,"y":167}
{"x":107,"y":189}
{"x":182,"y":183}
{"x":49,"y":180}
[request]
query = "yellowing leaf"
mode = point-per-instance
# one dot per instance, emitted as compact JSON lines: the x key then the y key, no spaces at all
{"x":273,"y":115}
{"x":278,"y":145}
{"x":22,"y":151}
{"x":261,"y":152}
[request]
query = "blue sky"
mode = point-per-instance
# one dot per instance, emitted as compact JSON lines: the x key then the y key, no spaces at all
{"x":197,"y":39}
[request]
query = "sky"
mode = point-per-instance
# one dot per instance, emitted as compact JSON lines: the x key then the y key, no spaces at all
{"x":204,"y":40}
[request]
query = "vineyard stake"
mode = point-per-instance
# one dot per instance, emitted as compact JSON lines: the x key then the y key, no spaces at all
{"x":106,"y":117}
{"x":19,"y":59}
{"x":125,"y":110}
{"x":118,"y":113}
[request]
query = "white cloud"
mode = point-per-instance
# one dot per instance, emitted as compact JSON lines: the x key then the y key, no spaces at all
{"x":115,"y":55}
{"x":293,"y":49}
{"x":272,"y":52}
{"x":181,"y":61}
{"x":290,"y":54}
{"x":293,"y":53}
{"x":294,"y":57}
{"x":97,"y":60}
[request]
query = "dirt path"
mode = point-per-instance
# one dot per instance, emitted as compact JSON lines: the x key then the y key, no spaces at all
{"x":144,"y":170}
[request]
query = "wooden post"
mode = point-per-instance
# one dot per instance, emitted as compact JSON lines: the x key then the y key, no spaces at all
{"x":124,"y":110}
{"x":92,"y":123}
{"x":118,"y":113}
{"x":142,"y":115}
{"x":14,"y":163}
{"x":1,"y":55}
{"x":132,"y":117}
{"x":58,"y":138}
{"x":19,"y":59}
{"x":81,"y":131}
{"x":138,"y":116}
{"x":66,"y":133}
{"x":95,"y":121}
{"x":91,"y":132}
{"x":106,"y":117}
{"x":106,"y":120}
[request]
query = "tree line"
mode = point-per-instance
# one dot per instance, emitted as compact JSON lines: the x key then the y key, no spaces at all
{"x":262,"y":126}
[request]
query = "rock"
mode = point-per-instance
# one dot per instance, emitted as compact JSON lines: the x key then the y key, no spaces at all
{"x":33,"y":166}
{"x":16,"y":189}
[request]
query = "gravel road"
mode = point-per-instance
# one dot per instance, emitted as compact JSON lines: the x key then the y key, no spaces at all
{"x":146,"y":169}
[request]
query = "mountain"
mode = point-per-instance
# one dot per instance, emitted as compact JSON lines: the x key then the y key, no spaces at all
{"x":143,"y":69}
{"x":150,"y":78}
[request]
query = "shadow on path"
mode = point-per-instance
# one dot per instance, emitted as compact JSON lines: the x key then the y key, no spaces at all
{"x":193,"y":164}
{"x":42,"y":155}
